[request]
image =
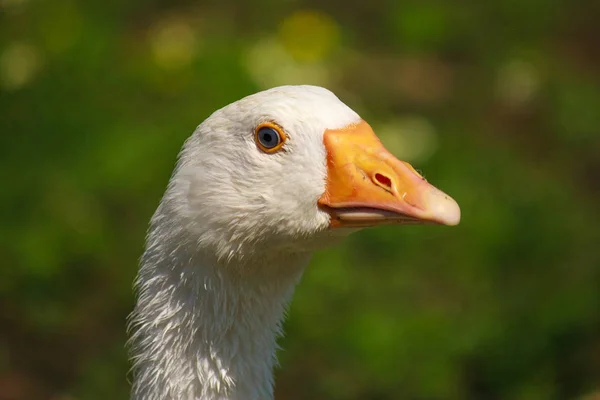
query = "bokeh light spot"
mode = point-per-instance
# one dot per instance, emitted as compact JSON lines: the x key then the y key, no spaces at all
{"x":309,"y":35}
{"x":517,"y":82}
{"x":174,"y":43}
{"x":18,"y":65}
{"x":411,"y":138}
{"x":270,"y":65}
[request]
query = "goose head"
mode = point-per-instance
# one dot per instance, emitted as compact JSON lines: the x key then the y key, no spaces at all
{"x":260,"y":184}
{"x":292,"y":169}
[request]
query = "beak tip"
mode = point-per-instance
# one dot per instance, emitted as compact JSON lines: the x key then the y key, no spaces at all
{"x":448,"y":212}
{"x":443,"y":209}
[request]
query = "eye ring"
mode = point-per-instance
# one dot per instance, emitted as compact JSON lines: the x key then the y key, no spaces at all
{"x":269,"y":137}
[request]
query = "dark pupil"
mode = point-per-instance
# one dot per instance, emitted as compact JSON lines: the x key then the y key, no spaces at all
{"x":268,"y":138}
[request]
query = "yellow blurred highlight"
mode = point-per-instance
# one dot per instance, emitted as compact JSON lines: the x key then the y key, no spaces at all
{"x":411,"y":138}
{"x":174,"y":43}
{"x":18,"y":65}
{"x":270,"y":65}
{"x":309,"y":35}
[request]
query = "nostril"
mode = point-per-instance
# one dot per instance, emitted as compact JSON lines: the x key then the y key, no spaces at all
{"x":383,"y":181}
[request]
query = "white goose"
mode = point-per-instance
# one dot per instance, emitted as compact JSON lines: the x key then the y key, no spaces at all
{"x":260,"y":184}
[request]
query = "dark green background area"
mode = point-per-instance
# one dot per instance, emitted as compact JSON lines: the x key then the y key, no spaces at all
{"x":497,"y":102}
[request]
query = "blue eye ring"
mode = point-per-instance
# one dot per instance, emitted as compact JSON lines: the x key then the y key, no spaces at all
{"x":269,"y":137}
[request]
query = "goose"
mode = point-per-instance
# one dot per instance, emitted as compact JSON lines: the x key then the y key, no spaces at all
{"x":260,"y":185}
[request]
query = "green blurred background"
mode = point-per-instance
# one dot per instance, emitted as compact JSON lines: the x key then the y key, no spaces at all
{"x":497,"y":102}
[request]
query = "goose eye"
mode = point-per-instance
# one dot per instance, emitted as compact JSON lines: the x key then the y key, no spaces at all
{"x":269,"y":138}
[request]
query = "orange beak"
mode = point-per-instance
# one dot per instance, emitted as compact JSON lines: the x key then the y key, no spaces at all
{"x":368,"y":186}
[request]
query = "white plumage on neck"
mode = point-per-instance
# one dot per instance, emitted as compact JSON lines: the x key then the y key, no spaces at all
{"x":209,"y":332}
{"x":227,"y":245}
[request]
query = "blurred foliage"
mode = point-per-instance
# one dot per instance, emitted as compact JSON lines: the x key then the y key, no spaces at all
{"x":498,"y":103}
